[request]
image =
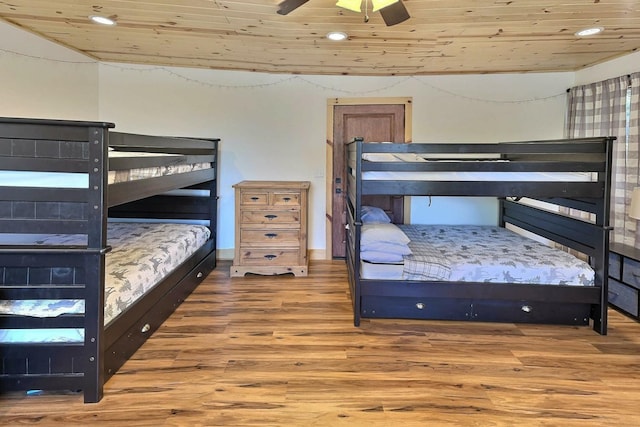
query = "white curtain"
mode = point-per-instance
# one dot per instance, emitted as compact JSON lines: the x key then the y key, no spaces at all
{"x":612,"y":108}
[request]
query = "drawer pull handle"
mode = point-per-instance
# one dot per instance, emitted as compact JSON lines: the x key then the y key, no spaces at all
{"x":420,"y":306}
{"x":199,"y":275}
{"x":271,"y":235}
{"x":527,"y":308}
{"x":286,"y":199}
{"x":271,"y":216}
{"x":146,"y":328}
{"x":255,"y":199}
{"x":270,"y":257}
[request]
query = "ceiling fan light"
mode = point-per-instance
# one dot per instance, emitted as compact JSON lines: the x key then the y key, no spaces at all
{"x":102,"y":20}
{"x":350,"y":5}
{"x":589,"y":31}
{"x":337,"y":36}
{"x":381,"y":4}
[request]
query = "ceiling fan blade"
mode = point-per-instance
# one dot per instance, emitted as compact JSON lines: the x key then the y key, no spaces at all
{"x":394,"y":14}
{"x":288,"y":6}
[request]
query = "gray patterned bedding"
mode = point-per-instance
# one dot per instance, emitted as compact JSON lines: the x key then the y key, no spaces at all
{"x":143,"y":253}
{"x":469,"y":253}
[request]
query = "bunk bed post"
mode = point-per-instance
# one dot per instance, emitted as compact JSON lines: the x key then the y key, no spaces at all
{"x":353,"y":154}
{"x":95,"y":264}
{"x":212,"y":186}
{"x":601,"y":268}
{"x":357,"y":214}
{"x":501,"y":222}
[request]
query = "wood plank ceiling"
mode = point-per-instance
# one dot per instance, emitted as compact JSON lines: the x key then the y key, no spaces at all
{"x":441,"y":37}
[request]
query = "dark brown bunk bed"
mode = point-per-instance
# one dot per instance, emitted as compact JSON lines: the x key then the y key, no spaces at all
{"x":182,"y":193}
{"x":480,"y":301}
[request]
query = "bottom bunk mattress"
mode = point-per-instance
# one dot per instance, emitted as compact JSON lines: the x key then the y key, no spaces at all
{"x":471,"y":253}
{"x":142,"y":255}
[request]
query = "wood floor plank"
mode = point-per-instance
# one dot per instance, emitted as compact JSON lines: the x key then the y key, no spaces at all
{"x":283,"y":351}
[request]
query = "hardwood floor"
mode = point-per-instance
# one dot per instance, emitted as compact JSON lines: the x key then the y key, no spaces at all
{"x":283,"y":351}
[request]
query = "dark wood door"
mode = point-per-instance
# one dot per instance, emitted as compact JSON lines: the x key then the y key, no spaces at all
{"x":376,"y":122}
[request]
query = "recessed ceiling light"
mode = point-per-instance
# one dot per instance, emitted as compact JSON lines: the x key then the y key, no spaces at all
{"x":589,"y":31}
{"x":337,"y":36}
{"x":102,"y":20}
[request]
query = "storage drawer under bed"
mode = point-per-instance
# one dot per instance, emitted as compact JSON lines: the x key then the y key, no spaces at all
{"x":615,"y":265}
{"x":478,"y":310}
{"x":624,"y":297}
{"x":631,"y":272}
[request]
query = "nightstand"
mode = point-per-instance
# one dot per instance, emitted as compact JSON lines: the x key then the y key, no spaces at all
{"x":624,"y":279}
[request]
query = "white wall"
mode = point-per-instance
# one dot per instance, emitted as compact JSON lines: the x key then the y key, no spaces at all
{"x":274,"y":126}
{"x":40,"y":79}
{"x":627,"y":64}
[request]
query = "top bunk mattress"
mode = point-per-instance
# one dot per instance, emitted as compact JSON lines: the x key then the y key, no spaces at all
{"x":79,"y":180}
{"x":462,"y":175}
{"x":479,"y":176}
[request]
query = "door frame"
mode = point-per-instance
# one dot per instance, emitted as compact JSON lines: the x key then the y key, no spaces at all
{"x":331,"y":103}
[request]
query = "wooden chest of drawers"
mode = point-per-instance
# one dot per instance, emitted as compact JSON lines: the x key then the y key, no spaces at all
{"x":271,"y":228}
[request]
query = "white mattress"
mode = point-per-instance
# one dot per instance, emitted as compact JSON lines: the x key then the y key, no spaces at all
{"x":143,"y":254}
{"x":10,"y":178}
{"x":462,"y":175}
{"x":479,"y":176}
{"x":369,"y":270}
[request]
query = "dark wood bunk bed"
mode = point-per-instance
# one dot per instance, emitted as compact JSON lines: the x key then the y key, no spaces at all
{"x":499,"y":302}
{"x":33,"y":272}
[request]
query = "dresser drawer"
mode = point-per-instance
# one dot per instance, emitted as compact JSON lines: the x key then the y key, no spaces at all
{"x":631,"y":272}
{"x":624,"y":297}
{"x":269,"y":256}
{"x":285,"y":199}
{"x":254,"y":198}
{"x":270,"y":217}
{"x":270,"y":236}
{"x":614,"y":266}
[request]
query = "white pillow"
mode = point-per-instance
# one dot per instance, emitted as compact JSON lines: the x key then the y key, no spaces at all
{"x":380,"y":157}
{"x":375,"y":256}
{"x":373,"y":214}
{"x":392,"y":248}
{"x":389,"y":233}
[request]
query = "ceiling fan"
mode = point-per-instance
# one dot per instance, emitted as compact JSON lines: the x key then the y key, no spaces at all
{"x":392,"y":11}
